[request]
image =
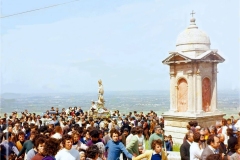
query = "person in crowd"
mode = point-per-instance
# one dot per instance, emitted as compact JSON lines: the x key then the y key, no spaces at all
{"x":92,"y":153}
{"x":8,"y":148}
{"x":16,"y":128}
{"x":39,"y":145}
{"x":93,"y":107}
{"x":67,"y":153}
{"x":167,"y":143}
{"x":222,"y":147}
{"x":224,"y":130}
{"x":95,"y":140}
{"x":58,"y":133}
{"x":202,"y":142}
{"x":106,"y":136}
{"x":77,"y":144}
{"x":156,"y":135}
{"x":21,"y":140}
{"x":82,"y":155}
{"x":185,"y":147}
{"x":27,"y":145}
{"x":86,"y":137}
{"x":195,"y":147}
{"x":125,"y":124}
{"x":32,"y":152}
{"x":170,"y":143}
{"x":115,"y":147}
{"x":157,"y":153}
{"x":232,"y":141}
{"x":152,"y":125}
{"x":213,"y":130}
{"x":146,"y":132}
{"x":123,"y":138}
{"x":141,"y":140}
{"x":212,"y":147}
{"x":133,"y":146}
{"x":207,"y":133}
{"x":236,"y":155}
{"x":77,"y":121}
{"x":3,"y":126}
{"x":51,"y":147}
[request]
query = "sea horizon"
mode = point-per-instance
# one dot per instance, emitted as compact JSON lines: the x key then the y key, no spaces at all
{"x":124,"y":101}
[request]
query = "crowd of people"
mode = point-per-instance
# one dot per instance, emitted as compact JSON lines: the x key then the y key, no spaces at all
{"x":218,"y":142}
{"x":71,"y":134}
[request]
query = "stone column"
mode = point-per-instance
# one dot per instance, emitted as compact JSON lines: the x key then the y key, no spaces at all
{"x":190,"y":92}
{"x":199,"y":92}
{"x":172,"y":92}
{"x":214,"y":88}
{"x":194,"y":88}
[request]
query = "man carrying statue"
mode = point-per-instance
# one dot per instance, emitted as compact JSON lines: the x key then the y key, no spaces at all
{"x":93,"y":107}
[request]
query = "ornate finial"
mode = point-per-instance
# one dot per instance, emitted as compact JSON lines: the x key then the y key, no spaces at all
{"x":192,"y":21}
{"x":192,"y":13}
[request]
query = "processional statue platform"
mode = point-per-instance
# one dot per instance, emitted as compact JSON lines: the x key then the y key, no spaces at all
{"x":98,"y":109}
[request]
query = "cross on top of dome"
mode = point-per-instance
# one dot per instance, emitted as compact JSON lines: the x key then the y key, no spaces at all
{"x":192,"y":13}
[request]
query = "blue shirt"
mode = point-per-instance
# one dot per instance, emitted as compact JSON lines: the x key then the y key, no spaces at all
{"x":156,"y":157}
{"x":114,"y":150}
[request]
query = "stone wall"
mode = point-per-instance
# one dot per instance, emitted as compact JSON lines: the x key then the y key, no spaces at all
{"x":175,"y":124}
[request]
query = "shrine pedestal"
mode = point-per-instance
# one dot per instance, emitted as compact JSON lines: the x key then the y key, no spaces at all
{"x":175,"y":122}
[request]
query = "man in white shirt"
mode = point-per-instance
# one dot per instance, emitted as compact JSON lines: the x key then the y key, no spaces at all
{"x":195,"y":149}
{"x":93,"y":107}
{"x":237,"y":124}
{"x":77,"y":121}
{"x":67,"y":153}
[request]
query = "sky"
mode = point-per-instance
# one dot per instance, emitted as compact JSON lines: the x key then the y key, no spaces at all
{"x":68,"y":48}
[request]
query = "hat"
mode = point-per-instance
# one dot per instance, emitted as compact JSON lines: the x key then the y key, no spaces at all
{"x":126,"y":129}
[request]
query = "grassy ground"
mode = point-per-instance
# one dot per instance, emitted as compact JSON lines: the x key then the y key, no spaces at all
{"x":176,"y":147}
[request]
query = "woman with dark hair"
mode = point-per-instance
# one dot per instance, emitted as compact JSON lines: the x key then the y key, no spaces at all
{"x":51,"y":148}
{"x":32,"y":152}
{"x":146,"y":133}
{"x":157,"y":152}
{"x":39,"y":145}
{"x":206,"y":133}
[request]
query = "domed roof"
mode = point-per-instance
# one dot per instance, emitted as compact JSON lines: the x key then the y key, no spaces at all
{"x":192,"y":39}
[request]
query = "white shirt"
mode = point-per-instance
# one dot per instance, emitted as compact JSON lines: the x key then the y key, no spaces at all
{"x":237,"y":125}
{"x":94,"y":106}
{"x":57,"y":136}
{"x":128,"y":139}
{"x":79,"y":146}
{"x":141,"y":141}
{"x":224,"y":132}
{"x":65,"y":154}
{"x":79,"y":123}
{"x":195,"y":151}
